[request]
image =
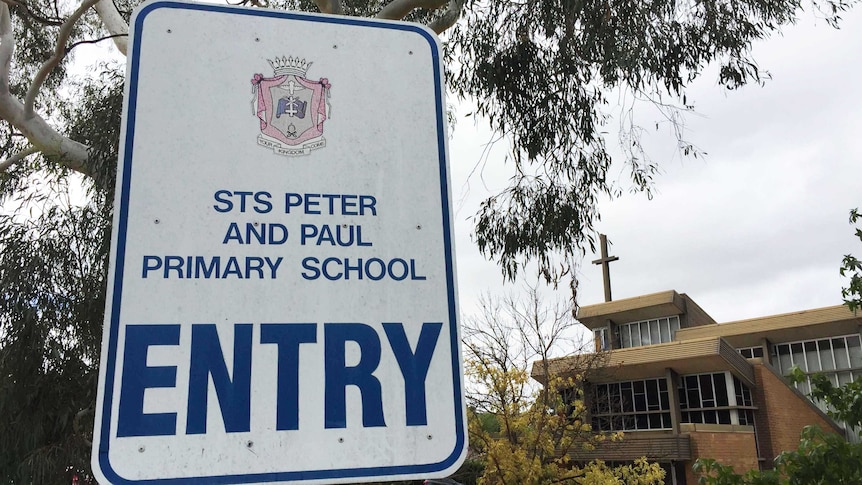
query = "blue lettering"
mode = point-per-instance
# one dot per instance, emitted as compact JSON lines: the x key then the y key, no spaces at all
{"x":207,"y":271}
{"x":173,"y":263}
{"x":263,"y":233}
{"x":367,"y":202}
{"x":291,"y":200}
{"x":326,"y":274}
{"x":348,"y":204}
{"x":307,"y":265}
{"x":232,"y":268}
{"x":220,"y":197}
{"x":138,"y":377}
{"x":288,"y":337}
{"x":325,"y":235}
{"x":359,"y":241}
{"x":198,"y":267}
{"x":311,"y":201}
{"x":381,"y":265}
{"x":242,"y":196}
{"x":253,"y":264}
{"x":234,"y":396}
{"x":391,"y":271}
{"x":251,"y":231}
{"x":273,"y":265}
{"x":232,"y":234}
{"x":414,"y":366}
{"x":331,"y":199}
{"x":263,"y":204}
{"x":413,"y":275}
{"x":338,"y":234}
{"x":348,"y":269}
{"x":151,"y":263}
{"x":338,"y":375}
{"x":208,"y":363}
{"x":374,"y":269}
{"x":308,"y":231}
{"x":277,"y":228}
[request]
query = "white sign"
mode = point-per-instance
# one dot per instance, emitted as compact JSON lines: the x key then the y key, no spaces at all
{"x":282,"y":297}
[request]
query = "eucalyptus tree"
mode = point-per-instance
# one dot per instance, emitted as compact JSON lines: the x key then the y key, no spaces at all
{"x":544,"y":73}
{"x":541,"y":72}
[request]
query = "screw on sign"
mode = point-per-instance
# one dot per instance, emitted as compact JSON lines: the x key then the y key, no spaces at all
{"x":282,"y":299}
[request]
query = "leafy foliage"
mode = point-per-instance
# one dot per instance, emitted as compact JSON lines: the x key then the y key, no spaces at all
{"x":525,"y":434}
{"x":52,"y":271}
{"x":95,"y":121}
{"x":821,"y":458}
{"x":53,"y":275}
{"x":851,"y":267}
{"x":641,"y":472}
{"x":843,"y":403}
{"x":541,"y":72}
{"x":546,"y":74}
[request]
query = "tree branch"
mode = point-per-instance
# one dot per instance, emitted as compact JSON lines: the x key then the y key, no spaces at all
{"x":448,"y":18}
{"x":398,"y":9}
{"x":114,"y":24}
{"x":11,"y":161}
{"x":76,"y":424}
{"x":45,"y":139}
{"x":38,"y":17}
{"x":42,"y":137}
{"x":330,"y":6}
{"x":54,"y":60}
{"x":7,"y":47}
{"x":94,"y":41}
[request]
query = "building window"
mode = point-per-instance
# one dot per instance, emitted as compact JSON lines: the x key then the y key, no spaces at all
{"x":602,"y":341}
{"x":743,"y":398}
{"x":631,"y":406}
{"x":706,"y":398}
{"x":648,"y":332}
{"x":751,"y":352}
{"x":839,"y":358}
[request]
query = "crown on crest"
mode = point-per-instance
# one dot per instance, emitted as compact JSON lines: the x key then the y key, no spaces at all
{"x":289,"y":65}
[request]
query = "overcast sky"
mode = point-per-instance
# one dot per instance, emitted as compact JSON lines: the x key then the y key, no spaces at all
{"x":760,"y":225}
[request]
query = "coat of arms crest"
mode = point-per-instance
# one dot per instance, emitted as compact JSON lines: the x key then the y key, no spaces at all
{"x":290,"y":107}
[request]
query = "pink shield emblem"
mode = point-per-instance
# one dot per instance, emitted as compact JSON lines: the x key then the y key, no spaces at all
{"x":290,"y":107}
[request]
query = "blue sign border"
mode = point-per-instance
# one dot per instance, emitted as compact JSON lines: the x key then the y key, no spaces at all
{"x":117,"y":290}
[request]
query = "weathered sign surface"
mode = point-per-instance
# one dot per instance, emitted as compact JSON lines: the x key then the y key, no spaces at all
{"x":282,"y":298}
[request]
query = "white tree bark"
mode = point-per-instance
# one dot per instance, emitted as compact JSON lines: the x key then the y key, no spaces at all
{"x":72,"y":154}
{"x":11,"y":161}
{"x":54,"y":60}
{"x":330,"y":6}
{"x":114,"y":24}
{"x":398,"y":9}
{"x":7,"y":47}
{"x":45,"y":139}
{"x":448,"y":18}
{"x":42,"y":137}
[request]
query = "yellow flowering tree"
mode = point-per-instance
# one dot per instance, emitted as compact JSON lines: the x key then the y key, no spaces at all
{"x":526,"y":433}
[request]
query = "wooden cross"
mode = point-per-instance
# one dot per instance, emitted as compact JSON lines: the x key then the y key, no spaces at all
{"x":604,"y":261}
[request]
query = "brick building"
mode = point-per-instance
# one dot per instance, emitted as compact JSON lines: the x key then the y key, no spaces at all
{"x":682,"y":386}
